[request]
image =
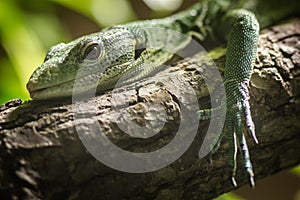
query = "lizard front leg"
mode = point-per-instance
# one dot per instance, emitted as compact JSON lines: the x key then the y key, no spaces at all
{"x":241,"y":30}
{"x":242,"y":36}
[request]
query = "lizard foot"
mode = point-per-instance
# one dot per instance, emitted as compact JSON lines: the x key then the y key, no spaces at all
{"x":239,"y":121}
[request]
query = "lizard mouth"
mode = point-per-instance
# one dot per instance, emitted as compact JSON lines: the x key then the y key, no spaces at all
{"x":60,"y":90}
{"x":80,"y":85}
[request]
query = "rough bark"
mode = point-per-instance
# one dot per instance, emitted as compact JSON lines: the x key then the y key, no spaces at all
{"x":41,"y":155}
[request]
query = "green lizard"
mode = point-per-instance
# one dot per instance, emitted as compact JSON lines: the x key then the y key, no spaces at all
{"x":114,"y":51}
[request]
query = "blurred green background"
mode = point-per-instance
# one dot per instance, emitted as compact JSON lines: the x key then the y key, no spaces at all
{"x":28,"y":28}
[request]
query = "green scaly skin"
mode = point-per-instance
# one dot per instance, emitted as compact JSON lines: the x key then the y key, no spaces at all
{"x":106,"y":56}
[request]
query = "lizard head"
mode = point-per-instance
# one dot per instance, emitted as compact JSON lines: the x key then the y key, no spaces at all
{"x":98,"y":57}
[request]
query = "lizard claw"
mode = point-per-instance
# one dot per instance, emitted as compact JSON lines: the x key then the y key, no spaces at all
{"x":249,"y":121}
{"x":251,"y":177}
{"x":233,"y":181}
{"x":251,"y":181}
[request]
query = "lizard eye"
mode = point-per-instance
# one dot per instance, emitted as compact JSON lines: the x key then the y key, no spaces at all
{"x":93,"y":51}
